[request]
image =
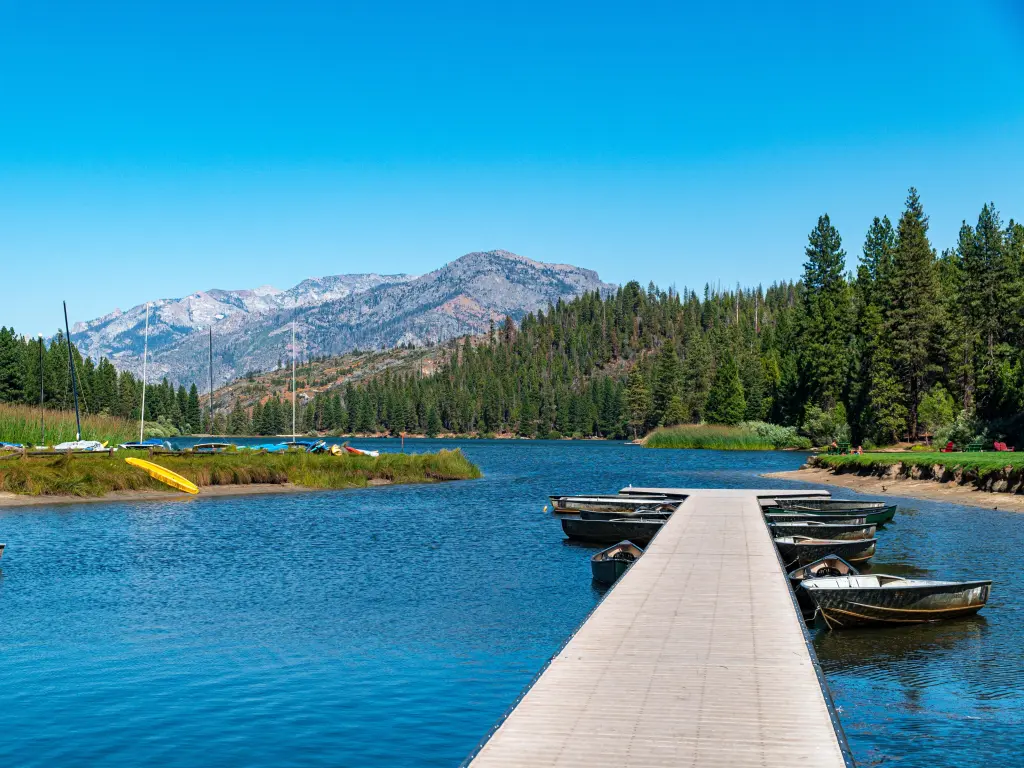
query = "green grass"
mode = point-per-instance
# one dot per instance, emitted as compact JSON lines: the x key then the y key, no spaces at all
{"x":20,"y":424}
{"x":707,"y":436}
{"x":83,"y":475}
{"x":981,"y":463}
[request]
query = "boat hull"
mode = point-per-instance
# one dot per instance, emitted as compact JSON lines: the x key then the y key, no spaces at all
{"x":843,"y":608}
{"x":611,"y":531}
{"x":803,"y":553}
{"x":833,"y":531}
{"x":593,"y":514}
{"x":572,"y":505}
{"x":831,"y":505}
{"x":606,"y":568}
{"x":876,"y":516}
{"x":826,"y":566}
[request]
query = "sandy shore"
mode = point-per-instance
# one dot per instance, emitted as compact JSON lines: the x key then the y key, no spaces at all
{"x":918,"y":489}
{"x":19,"y":500}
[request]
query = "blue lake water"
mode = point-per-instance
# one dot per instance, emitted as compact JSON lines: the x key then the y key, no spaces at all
{"x":392,"y":626}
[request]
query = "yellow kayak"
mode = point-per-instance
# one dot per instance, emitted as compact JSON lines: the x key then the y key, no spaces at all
{"x":164,"y":475}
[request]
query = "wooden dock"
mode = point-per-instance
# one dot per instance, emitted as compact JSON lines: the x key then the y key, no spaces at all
{"x":697,"y":657}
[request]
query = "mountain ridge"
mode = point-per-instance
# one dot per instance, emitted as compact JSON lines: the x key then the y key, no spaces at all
{"x":333,"y":314}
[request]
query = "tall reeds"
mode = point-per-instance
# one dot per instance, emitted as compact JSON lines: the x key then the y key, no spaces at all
{"x":20,"y":424}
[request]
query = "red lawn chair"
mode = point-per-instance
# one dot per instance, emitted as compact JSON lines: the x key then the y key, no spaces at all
{"x":1002,"y":447}
{"x":948,"y":449}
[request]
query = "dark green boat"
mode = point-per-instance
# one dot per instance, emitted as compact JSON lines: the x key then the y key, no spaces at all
{"x":594,"y":514}
{"x":873,"y":516}
{"x":802,"y":550}
{"x":828,"y":505}
{"x":609,"y":564}
{"x":638,"y":530}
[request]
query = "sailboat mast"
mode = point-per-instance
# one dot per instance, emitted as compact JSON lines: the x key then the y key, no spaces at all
{"x":74,"y":383}
{"x":42,"y":413}
{"x":145,"y":355}
{"x":211,"y":379}
{"x":293,"y":381}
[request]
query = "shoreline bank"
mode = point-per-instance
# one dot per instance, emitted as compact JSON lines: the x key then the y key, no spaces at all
{"x":928,"y":490}
{"x":77,"y":478}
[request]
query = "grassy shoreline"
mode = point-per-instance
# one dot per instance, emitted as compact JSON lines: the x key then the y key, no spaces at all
{"x":95,"y":476}
{"x":989,"y":471}
{"x":981,"y":463}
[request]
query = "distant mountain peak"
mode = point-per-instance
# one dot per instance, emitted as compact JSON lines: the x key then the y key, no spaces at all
{"x":334,"y":314}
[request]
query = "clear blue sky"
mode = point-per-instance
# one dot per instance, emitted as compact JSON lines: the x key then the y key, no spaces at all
{"x":151,"y":149}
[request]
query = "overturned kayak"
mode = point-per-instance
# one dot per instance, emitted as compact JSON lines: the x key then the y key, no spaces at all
{"x":609,"y":564}
{"x":164,"y":475}
{"x":81,"y":445}
{"x":360,"y":452}
{"x":145,"y":445}
{"x":881,"y":600}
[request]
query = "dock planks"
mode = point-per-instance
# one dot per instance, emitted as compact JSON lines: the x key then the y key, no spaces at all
{"x":696,"y":658}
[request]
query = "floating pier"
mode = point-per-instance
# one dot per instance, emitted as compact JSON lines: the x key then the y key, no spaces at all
{"x":697,"y":657}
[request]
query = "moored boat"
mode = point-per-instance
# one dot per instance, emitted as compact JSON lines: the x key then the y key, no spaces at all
{"x":804,"y":549}
{"x":593,"y":514}
{"x":801,"y":517}
{"x":638,"y":530}
{"x":608,"y":503}
{"x":831,"y":505}
{"x":835,"y":531}
{"x":882,"y":600}
{"x":609,"y":564}
{"x":830,"y":565}
{"x":875,"y":515}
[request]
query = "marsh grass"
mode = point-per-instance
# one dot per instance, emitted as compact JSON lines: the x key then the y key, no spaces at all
{"x":20,"y":424}
{"x":707,"y":436}
{"x":84,"y":475}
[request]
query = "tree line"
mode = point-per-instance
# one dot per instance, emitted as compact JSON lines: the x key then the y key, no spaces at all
{"x":907,"y":343}
{"x":26,"y":364}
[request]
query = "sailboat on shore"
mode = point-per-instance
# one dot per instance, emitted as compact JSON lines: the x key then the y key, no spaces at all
{"x":78,"y":444}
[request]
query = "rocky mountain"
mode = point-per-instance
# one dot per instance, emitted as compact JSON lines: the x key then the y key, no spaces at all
{"x":333,"y":315}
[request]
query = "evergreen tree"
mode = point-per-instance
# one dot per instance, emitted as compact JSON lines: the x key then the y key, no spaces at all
{"x":675,"y":413}
{"x":888,"y":414}
{"x":667,"y":380}
{"x":193,"y":412}
{"x":726,"y":404}
{"x":912,"y":319}
{"x":824,"y":359}
{"x":639,"y":402}
{"x":434,"y":425}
